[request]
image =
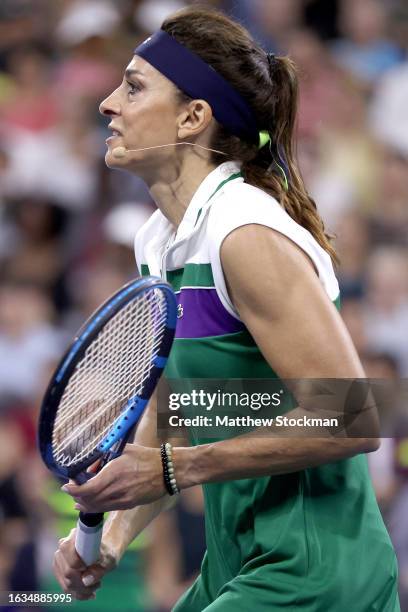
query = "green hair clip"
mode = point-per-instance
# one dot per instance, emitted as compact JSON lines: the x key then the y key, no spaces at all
{"x":264,"y":138}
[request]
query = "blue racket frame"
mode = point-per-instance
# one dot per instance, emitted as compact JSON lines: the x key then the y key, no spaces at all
{"x":126,"y":422}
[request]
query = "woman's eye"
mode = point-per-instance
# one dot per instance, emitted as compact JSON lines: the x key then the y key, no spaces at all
{"x":132,"y":88}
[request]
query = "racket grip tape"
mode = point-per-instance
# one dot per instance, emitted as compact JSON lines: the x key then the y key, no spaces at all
{"x":88,"y":537}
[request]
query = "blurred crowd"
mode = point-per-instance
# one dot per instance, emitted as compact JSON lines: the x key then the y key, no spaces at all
{"x":67,"y":225}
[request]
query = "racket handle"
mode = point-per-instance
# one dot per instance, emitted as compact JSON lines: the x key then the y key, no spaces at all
{"x":88,"y":537}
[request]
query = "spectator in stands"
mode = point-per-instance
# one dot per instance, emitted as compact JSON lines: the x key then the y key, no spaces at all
{"x":388,"y":116}
{"x":353,"y":248}
{"x":320,"y":81}
{"x":28,"y":340}
{"x":365,"y":50}
{"x":386,"y":304}
{"x":388,"y":217}
{"x":31,"y":103}
{"x":276,"y":21}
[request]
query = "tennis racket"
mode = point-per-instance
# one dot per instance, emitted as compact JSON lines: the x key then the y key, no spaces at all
{"x":102,"y":386}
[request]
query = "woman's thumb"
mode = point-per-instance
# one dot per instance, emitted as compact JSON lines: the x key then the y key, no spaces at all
{"x":93,"y":574}
{"x":88,"y":580}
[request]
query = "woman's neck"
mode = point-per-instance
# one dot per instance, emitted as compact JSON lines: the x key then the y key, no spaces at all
{"x":174,"y":189}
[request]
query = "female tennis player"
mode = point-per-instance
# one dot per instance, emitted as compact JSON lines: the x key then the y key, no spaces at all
{"x":206,"y":118}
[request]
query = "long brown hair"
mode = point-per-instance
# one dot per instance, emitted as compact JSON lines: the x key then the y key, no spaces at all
{"x":270,"y":86}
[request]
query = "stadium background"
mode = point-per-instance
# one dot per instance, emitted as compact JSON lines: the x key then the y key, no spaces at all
{"x":67,"y":225}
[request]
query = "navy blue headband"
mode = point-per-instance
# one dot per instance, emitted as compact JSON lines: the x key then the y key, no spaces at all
{"x":199,"y":80}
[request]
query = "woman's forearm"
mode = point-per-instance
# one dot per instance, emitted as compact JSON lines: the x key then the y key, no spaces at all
{"x":123,"y":526}
{"x":250,"y":456}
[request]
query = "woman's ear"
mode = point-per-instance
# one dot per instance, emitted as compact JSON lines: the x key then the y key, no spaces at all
{"x":194,"y":119}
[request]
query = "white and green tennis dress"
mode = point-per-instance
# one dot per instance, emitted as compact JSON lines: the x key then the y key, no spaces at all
{"x":312,"y":540}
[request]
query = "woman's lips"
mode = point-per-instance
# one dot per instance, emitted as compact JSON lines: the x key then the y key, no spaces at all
{"x":114,"y":136}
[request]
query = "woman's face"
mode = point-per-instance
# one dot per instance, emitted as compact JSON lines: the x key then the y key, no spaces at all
{"x":143,"y":112}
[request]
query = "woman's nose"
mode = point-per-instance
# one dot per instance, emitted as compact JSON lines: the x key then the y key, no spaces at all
{"x":109,"y":106}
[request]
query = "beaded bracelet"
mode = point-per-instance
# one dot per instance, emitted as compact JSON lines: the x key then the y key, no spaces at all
{"x":168,"y":469}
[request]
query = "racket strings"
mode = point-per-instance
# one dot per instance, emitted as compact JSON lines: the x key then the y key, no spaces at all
{"x":112,"y":371}
{"x":102,"y":423}
{"x":107,"y":351}
{"x":75,"y":387}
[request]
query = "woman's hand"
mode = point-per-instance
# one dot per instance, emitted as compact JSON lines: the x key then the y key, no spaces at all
{"x":133,"y":479}
{"x":72,"y":573}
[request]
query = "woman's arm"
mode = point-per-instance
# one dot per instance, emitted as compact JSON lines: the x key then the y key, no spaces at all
{"x":279,"y":297}
{"x":122,"y":526}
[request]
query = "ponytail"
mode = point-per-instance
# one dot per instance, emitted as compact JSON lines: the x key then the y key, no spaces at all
{"x":281,"y":178}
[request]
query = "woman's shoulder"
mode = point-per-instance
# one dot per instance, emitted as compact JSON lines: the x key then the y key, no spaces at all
{"x":243,"y":204}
